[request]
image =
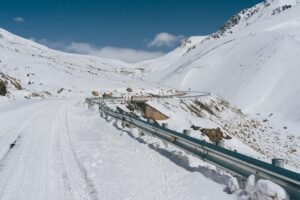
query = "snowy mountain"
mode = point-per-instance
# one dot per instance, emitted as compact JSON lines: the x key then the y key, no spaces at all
{"x":252,"y":61}
{"x":42,"y":71}
{"x":54,"y":148}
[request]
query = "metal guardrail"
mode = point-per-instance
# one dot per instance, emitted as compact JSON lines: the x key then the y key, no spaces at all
{"x":236,"y":163}
{"x":188,"y":94}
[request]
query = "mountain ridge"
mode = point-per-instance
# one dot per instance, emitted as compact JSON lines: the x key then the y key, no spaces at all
{"x":253,"y":65}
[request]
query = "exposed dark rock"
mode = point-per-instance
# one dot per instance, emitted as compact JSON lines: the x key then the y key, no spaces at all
{"x":204,"y":107}
{"x":213,"y":134}
{"x":280,"y":9}
{"x":195,"y":128}
{"x":3,"y":89}
{"x":60,"y":90}
{"x":129,"y":90}
{"x":107,"y":95}
{"x":95,"y":93}
{"x":10,"y":80}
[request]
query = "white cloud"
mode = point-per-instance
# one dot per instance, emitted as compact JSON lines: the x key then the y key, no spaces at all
{"x":165,"y":39}
{"x":19,"y":19}
{"x":124,"y":54}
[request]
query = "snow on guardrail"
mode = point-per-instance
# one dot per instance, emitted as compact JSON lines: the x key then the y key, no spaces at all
{"x":238,"y":164}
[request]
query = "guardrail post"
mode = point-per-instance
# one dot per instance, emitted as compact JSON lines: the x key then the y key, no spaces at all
{"x":187,"y":132}
{"x":220,"y":143}
{"x":109,"y":118}
{"x":279,"y":162}
{"x":150,"y":120}
{"x":141,"y":133}
{"x":116,"y":122}
{"x":89,"y":104}
{"x":165,"y":125}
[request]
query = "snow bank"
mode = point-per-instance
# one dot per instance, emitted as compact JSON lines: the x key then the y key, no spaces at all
{"x":263,"y":190}
{"x":267,"y":190}
{"x":233,"y":185}
{"x":250,"y":185}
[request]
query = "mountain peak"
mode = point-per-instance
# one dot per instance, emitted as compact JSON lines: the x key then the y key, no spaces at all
{"x":257,"y":13}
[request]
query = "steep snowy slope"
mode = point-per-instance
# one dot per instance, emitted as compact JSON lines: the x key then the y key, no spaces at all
{"x":253,"y":61}
{"x":172,"y":57}
{"x":41,"y":69}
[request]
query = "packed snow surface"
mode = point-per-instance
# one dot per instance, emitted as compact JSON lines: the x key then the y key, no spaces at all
{"x":58,"y":149}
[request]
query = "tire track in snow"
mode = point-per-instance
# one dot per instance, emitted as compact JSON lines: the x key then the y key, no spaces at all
{"x":43,"y":164}
{"x":15,"y":165}
{"x":6,"y":154}
{"x":80,"y":185}
{"x":61,"y":186}
{"x":13,"y":157}
{"x":13,"y":136}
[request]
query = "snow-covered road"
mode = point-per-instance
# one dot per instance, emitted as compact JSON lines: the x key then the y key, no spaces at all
{"x":58,"y":149}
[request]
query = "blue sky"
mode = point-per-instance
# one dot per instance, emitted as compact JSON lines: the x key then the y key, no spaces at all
{"x":89,"y":26}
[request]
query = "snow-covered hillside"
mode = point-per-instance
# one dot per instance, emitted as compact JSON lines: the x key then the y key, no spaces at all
{"x":54,"y":148}
{"x":43,"y":71}
{"x":252,"y":61}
